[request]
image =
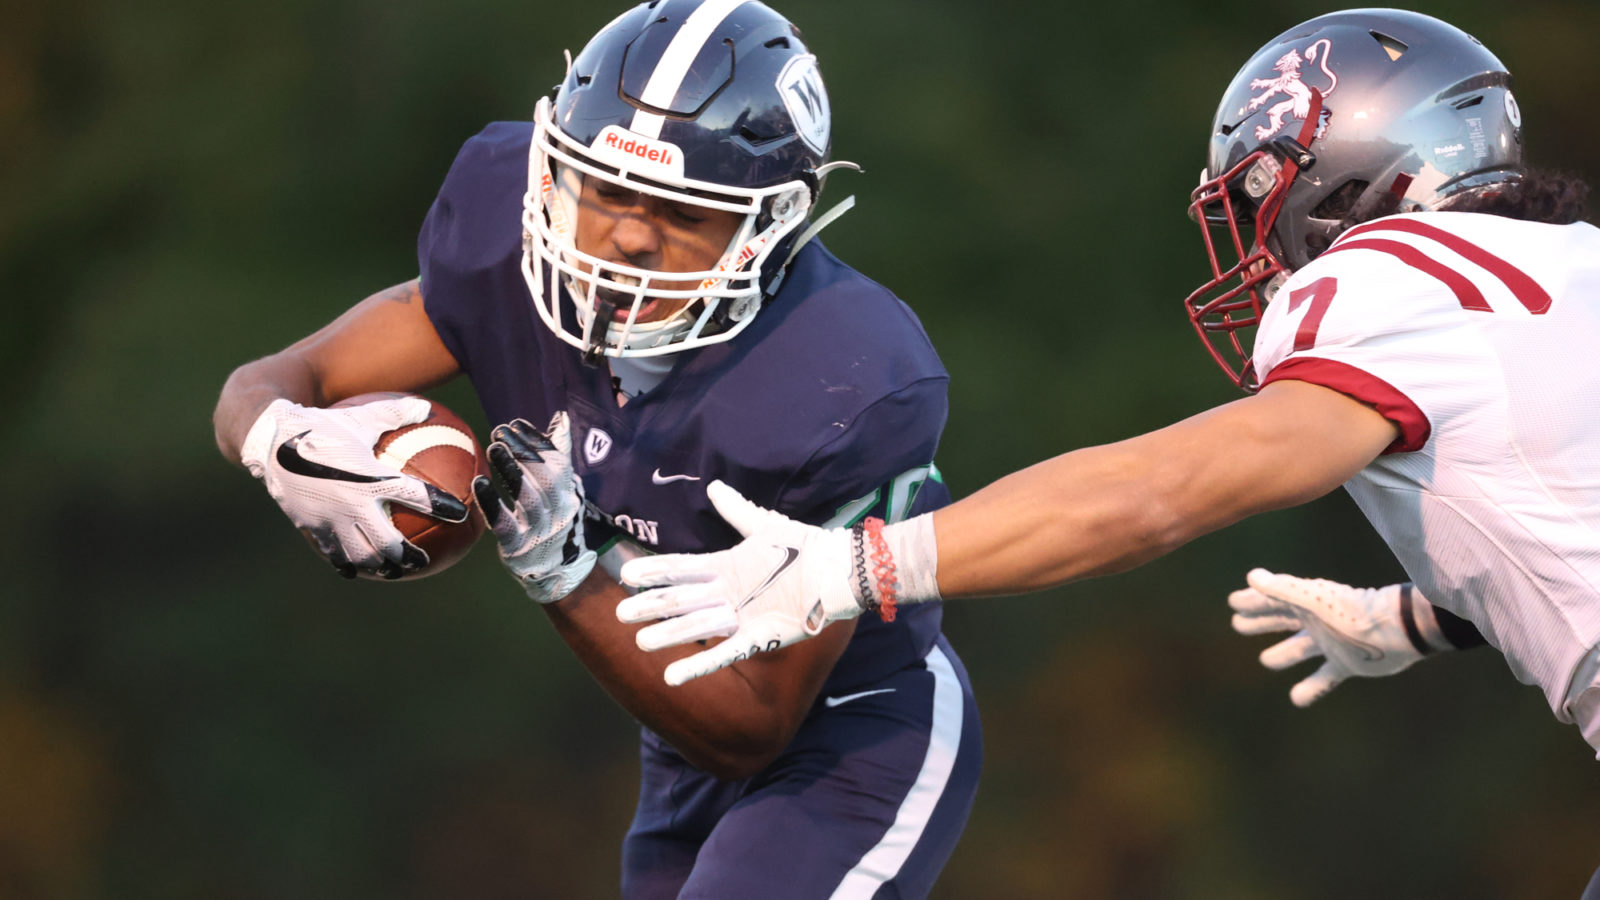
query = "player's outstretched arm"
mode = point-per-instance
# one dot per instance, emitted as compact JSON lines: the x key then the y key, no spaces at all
{"x":1111,"y":508}
{"x":1089,"y":512}
{"x":318,"y":463}
{"x":1357,"y":632}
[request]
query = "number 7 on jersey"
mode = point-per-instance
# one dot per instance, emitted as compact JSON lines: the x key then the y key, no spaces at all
{"x":1321,"y":294}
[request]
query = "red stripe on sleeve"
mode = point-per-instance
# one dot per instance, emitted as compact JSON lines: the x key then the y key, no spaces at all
{"x":1521,"y":284}
{"x":1364,"y":387}
{"x":1467,"y":294}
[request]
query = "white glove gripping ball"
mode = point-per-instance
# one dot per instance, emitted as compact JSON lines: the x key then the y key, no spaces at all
{"x":319,"y":465}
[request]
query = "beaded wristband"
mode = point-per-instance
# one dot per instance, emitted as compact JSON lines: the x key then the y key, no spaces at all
{"x":863,"y":586}
{"x":883,"y":569}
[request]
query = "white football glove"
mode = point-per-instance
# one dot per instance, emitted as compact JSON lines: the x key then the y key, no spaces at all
{"x":784,"y":583}
{"x":319,"y":465}
{"x":1360,"y":631}
{"x":541,"y":532}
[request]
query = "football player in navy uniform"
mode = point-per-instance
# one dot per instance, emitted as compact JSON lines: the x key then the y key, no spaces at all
{"x":635,"y":268}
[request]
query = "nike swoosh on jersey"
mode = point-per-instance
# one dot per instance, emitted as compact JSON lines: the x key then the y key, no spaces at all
{"x":789,"y":555}
{"x":657,"y":478}
{"x":290,"y":459}
{"x":831,"y":702}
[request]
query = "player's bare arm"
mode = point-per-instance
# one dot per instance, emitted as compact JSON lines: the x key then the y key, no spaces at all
{"x":732,"y":723}
{"x":1090,"y":512}
{"x":383,"y":343}
{"x":1110,"y":508}
{"x":317,"y":463}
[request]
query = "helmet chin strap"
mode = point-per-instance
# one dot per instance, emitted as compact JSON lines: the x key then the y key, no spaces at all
{"x":605,"y":313}
{"x":1297,"y":156}
{"x":817,"y":224}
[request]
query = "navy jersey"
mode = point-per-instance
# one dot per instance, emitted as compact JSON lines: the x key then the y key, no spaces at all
{"x":827,"y":407}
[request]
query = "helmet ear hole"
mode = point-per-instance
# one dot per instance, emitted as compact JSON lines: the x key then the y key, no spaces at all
{"x":1321,"y":234}
{"x":1341,"y":201}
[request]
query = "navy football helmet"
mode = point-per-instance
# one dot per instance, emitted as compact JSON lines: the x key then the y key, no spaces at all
{"x":711,"y":103}
{"x":1356,"y":110}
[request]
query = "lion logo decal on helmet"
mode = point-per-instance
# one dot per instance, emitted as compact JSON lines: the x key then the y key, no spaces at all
{"x":1297,"y":100}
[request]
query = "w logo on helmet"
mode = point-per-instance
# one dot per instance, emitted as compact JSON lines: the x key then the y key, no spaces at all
{"x":800,"y":85}
{"x":1288,"y":82}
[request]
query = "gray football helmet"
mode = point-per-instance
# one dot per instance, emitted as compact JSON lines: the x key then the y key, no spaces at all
{"x":1343,"y":112}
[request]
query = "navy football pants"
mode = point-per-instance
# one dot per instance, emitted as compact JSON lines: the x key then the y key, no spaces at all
{"x":867,"y":802}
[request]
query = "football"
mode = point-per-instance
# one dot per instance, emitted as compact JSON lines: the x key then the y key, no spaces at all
{"x":442,"y":451}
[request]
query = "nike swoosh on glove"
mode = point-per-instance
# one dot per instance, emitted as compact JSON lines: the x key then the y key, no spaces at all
{"x":541,"y":532}
{"x":784,"y":583}
{"x":1359,"y":632}
{"x":319,"y":466}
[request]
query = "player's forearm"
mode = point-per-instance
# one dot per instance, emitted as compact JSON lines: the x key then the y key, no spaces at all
{"x":251,"y":388}
{"x":1105,"y":509}
{"x":724,"y":724}
{"x":384,"y":343}
{"x":1090,"y":512}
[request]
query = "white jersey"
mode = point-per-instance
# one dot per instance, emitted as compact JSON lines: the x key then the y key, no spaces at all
{"x":1479,"y":337}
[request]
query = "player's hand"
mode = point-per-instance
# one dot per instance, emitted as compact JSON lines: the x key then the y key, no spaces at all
{"x":1359,"y":631}
{"x":541,"y":532}
{"x":783,"y":584}
{"x":319,"y":465}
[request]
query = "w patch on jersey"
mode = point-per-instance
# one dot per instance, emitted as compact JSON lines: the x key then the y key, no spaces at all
{"x":596,"y":446}
{"x":800,"y":85}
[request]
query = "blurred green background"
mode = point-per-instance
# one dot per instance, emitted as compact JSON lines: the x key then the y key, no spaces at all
{"x":193,"y":706}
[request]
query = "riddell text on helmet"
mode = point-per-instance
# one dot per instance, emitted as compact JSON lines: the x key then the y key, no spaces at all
{"x":616,"y":140}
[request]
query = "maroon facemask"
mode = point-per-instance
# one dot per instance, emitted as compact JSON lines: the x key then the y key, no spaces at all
{"x":1249,"y":197}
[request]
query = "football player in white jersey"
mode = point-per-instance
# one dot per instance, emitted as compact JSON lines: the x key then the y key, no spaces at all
{"x":1425,"y":311}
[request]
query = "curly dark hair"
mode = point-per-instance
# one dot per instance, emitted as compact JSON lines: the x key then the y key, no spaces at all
{"x":1540,"y":195}
{"x":1556,"y":198}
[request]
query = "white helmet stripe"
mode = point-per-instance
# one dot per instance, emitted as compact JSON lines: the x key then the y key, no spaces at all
{"x":674,"y":65}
